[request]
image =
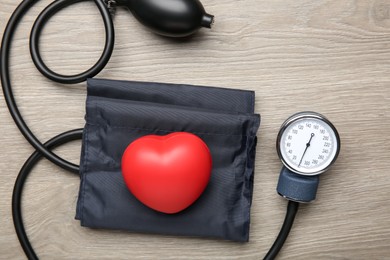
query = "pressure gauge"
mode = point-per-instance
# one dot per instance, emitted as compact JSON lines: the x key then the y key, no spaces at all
{"x":308,"y":143}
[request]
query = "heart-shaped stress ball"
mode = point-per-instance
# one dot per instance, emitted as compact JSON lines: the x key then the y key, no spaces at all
{"x":167,"y":173}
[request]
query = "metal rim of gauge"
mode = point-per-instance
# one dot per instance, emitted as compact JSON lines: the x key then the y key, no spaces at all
{"x":307,"y":115}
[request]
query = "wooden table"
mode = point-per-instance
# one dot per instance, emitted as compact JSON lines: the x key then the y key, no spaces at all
{"x":332,"y":57}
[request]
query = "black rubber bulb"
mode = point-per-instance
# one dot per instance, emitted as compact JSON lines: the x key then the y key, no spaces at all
{"x":173,"y":18}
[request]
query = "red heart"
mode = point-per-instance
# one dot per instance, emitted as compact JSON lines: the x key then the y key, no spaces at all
{"x":167,"y":173}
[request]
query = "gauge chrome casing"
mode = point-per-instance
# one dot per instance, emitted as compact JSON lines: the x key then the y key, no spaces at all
{"x":310,"y":136}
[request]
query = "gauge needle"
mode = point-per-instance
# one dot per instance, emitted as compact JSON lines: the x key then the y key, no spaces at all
{"x":307,"y":146}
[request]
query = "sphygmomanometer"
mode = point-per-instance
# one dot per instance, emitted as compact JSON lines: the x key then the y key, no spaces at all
{"x":168,"y":158}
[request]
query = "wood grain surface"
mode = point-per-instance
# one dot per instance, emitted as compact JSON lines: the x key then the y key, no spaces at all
{"x":328,"y":56}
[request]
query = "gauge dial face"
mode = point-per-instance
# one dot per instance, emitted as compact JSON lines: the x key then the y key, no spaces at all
{"x":308,"y":143}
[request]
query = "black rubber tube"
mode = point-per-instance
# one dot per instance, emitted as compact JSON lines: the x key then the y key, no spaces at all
{"x":292,"y":209}
{"x":5,"y":76}
{"x":44,"y":150}
{"x":46,"y":14}
{"x":19,"y":184}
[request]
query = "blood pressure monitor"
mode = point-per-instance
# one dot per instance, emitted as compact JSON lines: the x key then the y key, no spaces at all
{"x":307,"y":144}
